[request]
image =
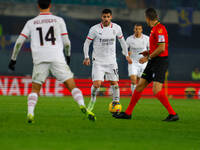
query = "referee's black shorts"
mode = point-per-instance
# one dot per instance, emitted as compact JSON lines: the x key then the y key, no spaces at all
{"x":156,"y":69}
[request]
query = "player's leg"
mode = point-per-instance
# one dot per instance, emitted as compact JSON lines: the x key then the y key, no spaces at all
{"x":76,"y":92}
{"x":134,"y":99}
{"x":160,"y":94}
{"x":98,"y":73}
{"x":63,"y":73}
{"x":78,"y":97}
{"x":145,"y":79}
{"x":94,"y":91}
{"x":32,"y":101}
{"x":40,"y":72}
{"x":132,"y":72}
{"x":136,"y":95}
{"x":142,"y":84}
{"x":159,"y":69}
{"x":115,"y":91}
{"x":112,"y":76}
{"x":133,"y":82}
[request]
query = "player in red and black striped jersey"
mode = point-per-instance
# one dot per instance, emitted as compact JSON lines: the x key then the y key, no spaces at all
{"x":155,"y":69}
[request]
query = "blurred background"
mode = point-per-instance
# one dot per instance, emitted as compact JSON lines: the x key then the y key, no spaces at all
{"x":181,"y":17}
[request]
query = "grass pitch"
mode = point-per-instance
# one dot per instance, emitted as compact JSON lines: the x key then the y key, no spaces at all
{"x":61,"y":126}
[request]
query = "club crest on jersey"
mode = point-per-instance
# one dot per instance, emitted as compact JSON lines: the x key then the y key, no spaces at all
{"x":160,"y":31}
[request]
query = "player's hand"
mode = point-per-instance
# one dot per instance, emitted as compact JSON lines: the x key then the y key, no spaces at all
{"x":129,"y":60}
{"x":144,"y":53}
{"x":129,"y":53}
{"x":11,"y":65}
{"x":68,"y":60}
{"x":143,"y":60}
{"x":86,"y":61}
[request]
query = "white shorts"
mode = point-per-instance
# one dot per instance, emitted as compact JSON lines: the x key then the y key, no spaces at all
{"x":110,"y":72}
{"x":59,"y":70}
{"x":136,"y":69}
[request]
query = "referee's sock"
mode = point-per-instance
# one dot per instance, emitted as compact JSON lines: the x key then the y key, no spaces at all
{"x":134,"y":99}
{"x":164,"y":100}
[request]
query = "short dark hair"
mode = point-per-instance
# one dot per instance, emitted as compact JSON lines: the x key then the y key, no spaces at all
{"x":107,"y":11}
{"x":151,"y":14}
{"x":44,"y":4}
{"x":138,"y":24}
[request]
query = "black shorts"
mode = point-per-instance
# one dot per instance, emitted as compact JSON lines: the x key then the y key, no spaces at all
{"x":156,"y":69}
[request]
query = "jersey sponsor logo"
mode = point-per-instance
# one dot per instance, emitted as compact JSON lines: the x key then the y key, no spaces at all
{"x":161,"y":38}
{"x":107,"y":41}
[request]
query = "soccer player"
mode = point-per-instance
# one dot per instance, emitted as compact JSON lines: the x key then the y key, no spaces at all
{"x":104,"y":36}
{"x":155,"y":69}
{"x":48,"y":35}
{"x":137,"y":43}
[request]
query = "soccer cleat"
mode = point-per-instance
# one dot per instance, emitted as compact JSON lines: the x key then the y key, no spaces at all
{"x":30,"y":118}
{"x":121,"y":115}
{"x":90,"y":115}
{"x":83,"y":109}
{"x":172,"y":118}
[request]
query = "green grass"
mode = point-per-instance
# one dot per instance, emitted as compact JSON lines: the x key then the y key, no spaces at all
{"x":61,"y":126}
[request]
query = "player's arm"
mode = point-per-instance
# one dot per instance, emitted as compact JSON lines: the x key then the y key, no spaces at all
{"x":123,"y":45}
{"x":128,"y":47}
{"x":91,"y":36}
{"x":159,"y":49}
{"x":125,"y":49}
{"x":18,"y":44}
{"x":65,"y":39}
{"x":86,"y":51}
{"x":67,"y":47}
{"x":146,"y":52}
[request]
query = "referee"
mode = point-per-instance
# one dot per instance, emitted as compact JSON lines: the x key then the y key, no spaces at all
{"x":156,"y":68}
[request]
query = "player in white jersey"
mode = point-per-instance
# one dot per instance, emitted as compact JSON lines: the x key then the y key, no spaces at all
{"x":48,"y":35}
{"x":136,"y":43}
{"x":104,"y":36}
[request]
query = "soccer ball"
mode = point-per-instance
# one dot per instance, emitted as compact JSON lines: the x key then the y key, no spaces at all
{"x":115,"y":107}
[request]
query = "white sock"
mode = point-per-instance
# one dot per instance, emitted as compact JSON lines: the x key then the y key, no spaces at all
{"x":32,"y":101}
{"x":94,"y":92}
{"x":78,"y":96}
{"x":116,"y":93}
{"x":133,"y":86}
